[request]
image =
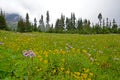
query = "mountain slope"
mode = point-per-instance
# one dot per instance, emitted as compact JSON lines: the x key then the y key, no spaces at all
{"x":12,"y":19}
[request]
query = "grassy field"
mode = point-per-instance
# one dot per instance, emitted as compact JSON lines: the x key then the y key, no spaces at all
{"x":59,"y":56}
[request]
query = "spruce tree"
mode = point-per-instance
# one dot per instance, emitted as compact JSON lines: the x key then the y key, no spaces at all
{"x":100,"y":18}
{"x":28,"y":27}
{"x":41,"y":24}
{"x":21,"y":26}
{"x":48,"y":17}
{"x":68,"y":24}
{"x":62,"y":22}
{"x":73,"y":21}
{"x":79,"y":25}
{"x":3,"y":24}
{"x":107,"y":23}
{"x":35,"y":24}
{"x":47,"y":21}
{"x":114,"y":27}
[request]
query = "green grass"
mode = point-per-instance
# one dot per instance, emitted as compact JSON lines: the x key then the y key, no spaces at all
{"x":59,"y":56}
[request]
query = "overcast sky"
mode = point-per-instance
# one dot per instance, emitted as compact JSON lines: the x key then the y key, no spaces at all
{"x":82,"y":8}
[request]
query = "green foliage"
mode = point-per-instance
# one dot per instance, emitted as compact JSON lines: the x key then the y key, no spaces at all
{"x":59,"y":26}
{"x":114,"y":27}
{"x":59,"y":56}
{"x":118,"y":30}
{"x":80,"y":24}
{"x":3,"y":24}
{"x":100,"y":18}
{"x":48,"y":17}
{"x":25,"y":26}
{"x":21,"y":26}
{"x":98,"y":29}
{"x":63,"y":25}
{"x":41,"y":26}
{"x":84,"y":26}
{"x":106,"y":30}
{"x":35,"y":25}
{"x":28,"y":27}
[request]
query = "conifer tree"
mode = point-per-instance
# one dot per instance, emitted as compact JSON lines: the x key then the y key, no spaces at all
{"x":100,"y":18}
{"x":114,"y":27}
{"x":62,"y":21}
{"x":103,"y":22}
{"x":28,"y":27}
{"x":73,"y":21}
{"x":48,"y":17}
{"x":47,"y":21}
{"x":68,"y":24}
{"x":41,"y":24}
{"x":35,"y":24}
{"x":79,"y":25}
{"x":21,"y":26}
{"x":3,"y":24}
{"x":107,"y":22}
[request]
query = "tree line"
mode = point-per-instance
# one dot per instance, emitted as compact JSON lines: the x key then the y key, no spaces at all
{"x":3,"y":24}
{"x":64,"y":25}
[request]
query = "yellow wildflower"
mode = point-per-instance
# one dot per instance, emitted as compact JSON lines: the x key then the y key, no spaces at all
{"x":77,"y":73}
{"x":84,"y":51}
{"x":89,"y":79}
{"x":45,"y":61}
{"x":91,"y":74}
{"x":54,"y":71}
{"x":67,"y":72}
{"x":84,"y":76}
{"x":56,"y":51}
{"x":45,"y":53}
{"x":86,"y":70}
{"x":62,"y":52}
{"x":61,"y":68}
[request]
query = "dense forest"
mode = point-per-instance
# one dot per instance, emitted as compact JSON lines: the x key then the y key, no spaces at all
{"x":63,"y":25}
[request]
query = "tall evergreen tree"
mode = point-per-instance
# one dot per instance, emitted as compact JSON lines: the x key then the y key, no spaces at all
{"x":68,"y":24}
{"x":51,"y":29}
{"x":98,"y":29}
{"x":71,"y":23}
{"x":35,"y":24}
{"x":110,"y":24}
{"x":57,"y":25}
{"x":79,"y":24}
{"x":73,"y":18}
{"x":114,"y":27}
{"x":62,"y":21}
{"x":48,"y":17}
{"x":27,"y":17}
{"x":3,"y":24}
{"x":28,"y":27}
{"x":86,"y":27}
{"x":100,"y":18}
{"x":21,"y":26}
{"x":85,"y":23}
{"x":107,"y":22}
{"x":103,"y":22}
{"x":41,"y":24}
{"x":47,"y":21}
{"x":60,"y":25}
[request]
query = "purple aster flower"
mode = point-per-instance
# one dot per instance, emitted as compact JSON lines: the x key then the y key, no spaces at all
{"x":28,"y":53}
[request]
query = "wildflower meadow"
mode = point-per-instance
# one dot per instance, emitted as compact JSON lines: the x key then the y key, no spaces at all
{"x":45,"y":56}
